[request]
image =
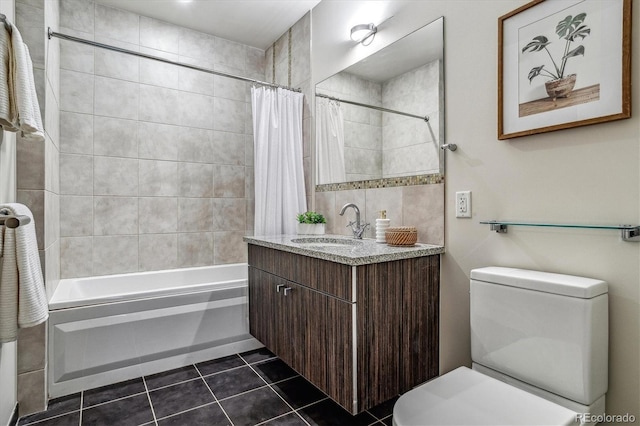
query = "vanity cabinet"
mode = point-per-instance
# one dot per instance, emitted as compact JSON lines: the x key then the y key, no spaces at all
{"x":362,"y":334}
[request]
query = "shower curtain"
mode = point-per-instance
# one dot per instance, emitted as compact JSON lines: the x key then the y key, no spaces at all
{"x":330,"y":141}
{"x":279,"y":176}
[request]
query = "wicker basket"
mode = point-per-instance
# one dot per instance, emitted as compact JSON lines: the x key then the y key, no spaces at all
{"x":401,"y":236}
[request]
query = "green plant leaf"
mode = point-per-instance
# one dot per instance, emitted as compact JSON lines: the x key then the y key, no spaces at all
{"x":569,"y":24}
{"x":575,"y":52}
{"x":535,"y":72}
{"x":537,"y":44}
{"x":581,"y":32}
{"x":311,"y":217}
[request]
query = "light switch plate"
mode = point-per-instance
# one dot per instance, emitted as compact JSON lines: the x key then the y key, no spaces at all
{"x":463,"y":204}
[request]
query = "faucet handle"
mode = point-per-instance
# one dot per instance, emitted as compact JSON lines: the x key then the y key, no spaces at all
{"x":358,"y":233}
{"x":350,"y":224}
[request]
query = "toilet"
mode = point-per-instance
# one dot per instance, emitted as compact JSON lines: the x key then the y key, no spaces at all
{"x":539,"y":346}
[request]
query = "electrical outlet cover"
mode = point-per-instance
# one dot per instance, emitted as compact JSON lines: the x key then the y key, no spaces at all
{"x":463,"y":204}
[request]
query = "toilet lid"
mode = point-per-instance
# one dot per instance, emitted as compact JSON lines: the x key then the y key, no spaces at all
{"x":466,"y":397}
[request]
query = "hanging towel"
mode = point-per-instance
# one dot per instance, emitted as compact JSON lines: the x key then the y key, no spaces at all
{"x":8,"y":112}
{"x":23,"y":302}
{"x":29,"y":117}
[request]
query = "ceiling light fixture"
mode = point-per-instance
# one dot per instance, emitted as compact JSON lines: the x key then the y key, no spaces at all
{"x":364,"y":33}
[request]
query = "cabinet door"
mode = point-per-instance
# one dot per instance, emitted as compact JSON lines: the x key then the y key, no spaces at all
{"x":291,"y":320}
{"x":263,"y":298}
{"x":339,"y":349}
{"x":310,"y":331}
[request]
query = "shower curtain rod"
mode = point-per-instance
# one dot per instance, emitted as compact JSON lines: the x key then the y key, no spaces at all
{"x":425,"y":118}
{"x":166,"y":61}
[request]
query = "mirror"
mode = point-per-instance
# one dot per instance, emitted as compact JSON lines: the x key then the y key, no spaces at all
{"x":370,"y":117}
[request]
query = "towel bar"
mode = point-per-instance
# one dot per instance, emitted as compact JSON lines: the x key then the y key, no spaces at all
{"x":13,"y":221}
{"x":627,"y":232}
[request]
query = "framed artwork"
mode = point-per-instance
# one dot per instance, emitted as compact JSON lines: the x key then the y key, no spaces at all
{"x":563,"y":64}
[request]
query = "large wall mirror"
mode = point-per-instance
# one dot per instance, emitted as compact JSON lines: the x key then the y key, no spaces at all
{"x":383,"y":117}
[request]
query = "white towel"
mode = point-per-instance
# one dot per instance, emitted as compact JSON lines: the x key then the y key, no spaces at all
{"x":28,"y":108}
{"x":23,"y":301}
{"x":8,"y":112}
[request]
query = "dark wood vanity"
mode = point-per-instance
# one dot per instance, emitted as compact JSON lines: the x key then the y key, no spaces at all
{"x":361,"y":333}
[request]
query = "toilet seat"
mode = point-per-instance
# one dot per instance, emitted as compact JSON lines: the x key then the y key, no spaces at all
{"x":467,"y":397}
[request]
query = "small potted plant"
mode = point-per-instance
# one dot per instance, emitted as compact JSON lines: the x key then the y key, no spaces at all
{"x":311,"y":223}
{"x":570,"y":29}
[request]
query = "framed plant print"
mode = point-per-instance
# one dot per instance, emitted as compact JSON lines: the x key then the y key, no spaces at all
{"x":563,"y":64}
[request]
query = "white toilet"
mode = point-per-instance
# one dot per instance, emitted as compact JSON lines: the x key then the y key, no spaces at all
{"x":539,"y":345}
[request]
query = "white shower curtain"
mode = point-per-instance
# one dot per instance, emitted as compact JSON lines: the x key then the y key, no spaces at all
{"x":329,"y":141}
{"x":279,"y":176}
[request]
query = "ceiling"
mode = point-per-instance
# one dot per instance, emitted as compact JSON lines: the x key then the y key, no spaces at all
{"x":256,"y":23}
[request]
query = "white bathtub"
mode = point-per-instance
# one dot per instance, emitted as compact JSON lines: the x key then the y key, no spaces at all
{"x":107,"y":329}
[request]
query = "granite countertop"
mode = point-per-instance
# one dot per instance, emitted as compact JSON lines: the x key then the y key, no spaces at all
{"x":344,"y":249}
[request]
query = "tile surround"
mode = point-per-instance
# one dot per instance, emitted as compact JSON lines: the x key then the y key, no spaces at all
{"x":38,"y":188}
{"x":142,"y":169}
{"x":173,"y":149}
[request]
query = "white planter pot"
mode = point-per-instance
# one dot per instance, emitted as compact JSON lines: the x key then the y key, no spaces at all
{"x":310,"y":228}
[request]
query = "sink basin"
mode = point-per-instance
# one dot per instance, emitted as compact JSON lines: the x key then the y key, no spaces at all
{"x":326,"y":242}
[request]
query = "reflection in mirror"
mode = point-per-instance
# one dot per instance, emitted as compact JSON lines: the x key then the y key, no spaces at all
{"x":383,"y":116}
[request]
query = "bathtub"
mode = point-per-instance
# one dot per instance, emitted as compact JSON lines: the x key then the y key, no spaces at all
{"x":107,"y":329}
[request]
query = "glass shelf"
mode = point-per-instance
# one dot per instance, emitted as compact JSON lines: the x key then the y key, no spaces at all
{"x":627,"y":232}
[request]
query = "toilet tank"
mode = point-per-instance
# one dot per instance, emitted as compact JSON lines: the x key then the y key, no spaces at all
{"x":547,"y":330}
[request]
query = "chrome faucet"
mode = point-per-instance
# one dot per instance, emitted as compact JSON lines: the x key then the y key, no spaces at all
{"x":356,"y":227}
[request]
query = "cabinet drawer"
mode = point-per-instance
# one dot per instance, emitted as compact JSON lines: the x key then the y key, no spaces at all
{"x":327,"y":277}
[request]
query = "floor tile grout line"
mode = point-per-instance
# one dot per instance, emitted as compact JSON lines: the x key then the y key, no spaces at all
{"x":111,"y":400}
{"x":223,"y":371}
{"x":214,"y":395}
{"x":374,"y":416}
{"x":296,"y":410}
{"x":153,"y":411}
{"x":274,"y":391}
{"x":80,"y":412}
{"x":381,"y":419}
{"x":187,"y":410}
{"x":279,"y":416}
{"x":173,"y":384}
{"x":48,"y":418}
{"x":255,"y":362}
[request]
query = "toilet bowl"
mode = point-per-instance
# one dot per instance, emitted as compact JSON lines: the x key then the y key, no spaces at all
{"x":539,"y":350}
{"x":467,"y":397}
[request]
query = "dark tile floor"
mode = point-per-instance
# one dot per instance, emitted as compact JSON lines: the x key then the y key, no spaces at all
{"x":251,"y":388}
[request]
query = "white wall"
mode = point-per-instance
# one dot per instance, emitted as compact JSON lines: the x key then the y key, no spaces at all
{"x":8,"y":362}
{"x":585,"y":175}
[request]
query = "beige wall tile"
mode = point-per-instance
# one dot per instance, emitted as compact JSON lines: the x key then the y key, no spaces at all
{"x":228,"y":247}
{"x":158,"y":251}
{"x":158,"y":215}
{"x":423,"y":207}
{"x":195,"y":214}
{"x":195,"y":249}
{"x":31,"y":397}
{"x":228,"y":181}
{"x":76,"y":257}
{"x":115,"y":254}
{"x":32,"y":348}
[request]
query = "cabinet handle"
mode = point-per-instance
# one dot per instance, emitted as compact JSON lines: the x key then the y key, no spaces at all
{"x":278,"y":287}
{"x":287,"y":290}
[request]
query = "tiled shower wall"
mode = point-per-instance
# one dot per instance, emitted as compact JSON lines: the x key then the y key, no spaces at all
{"x":362,"y":126}
{"x":384,"y":145}
{"x":156,"y":164}
{"x":411,"y":146}
{"x":38,"y":187}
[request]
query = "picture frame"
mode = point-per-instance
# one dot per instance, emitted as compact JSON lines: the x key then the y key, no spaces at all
{"x":563,"y":64}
